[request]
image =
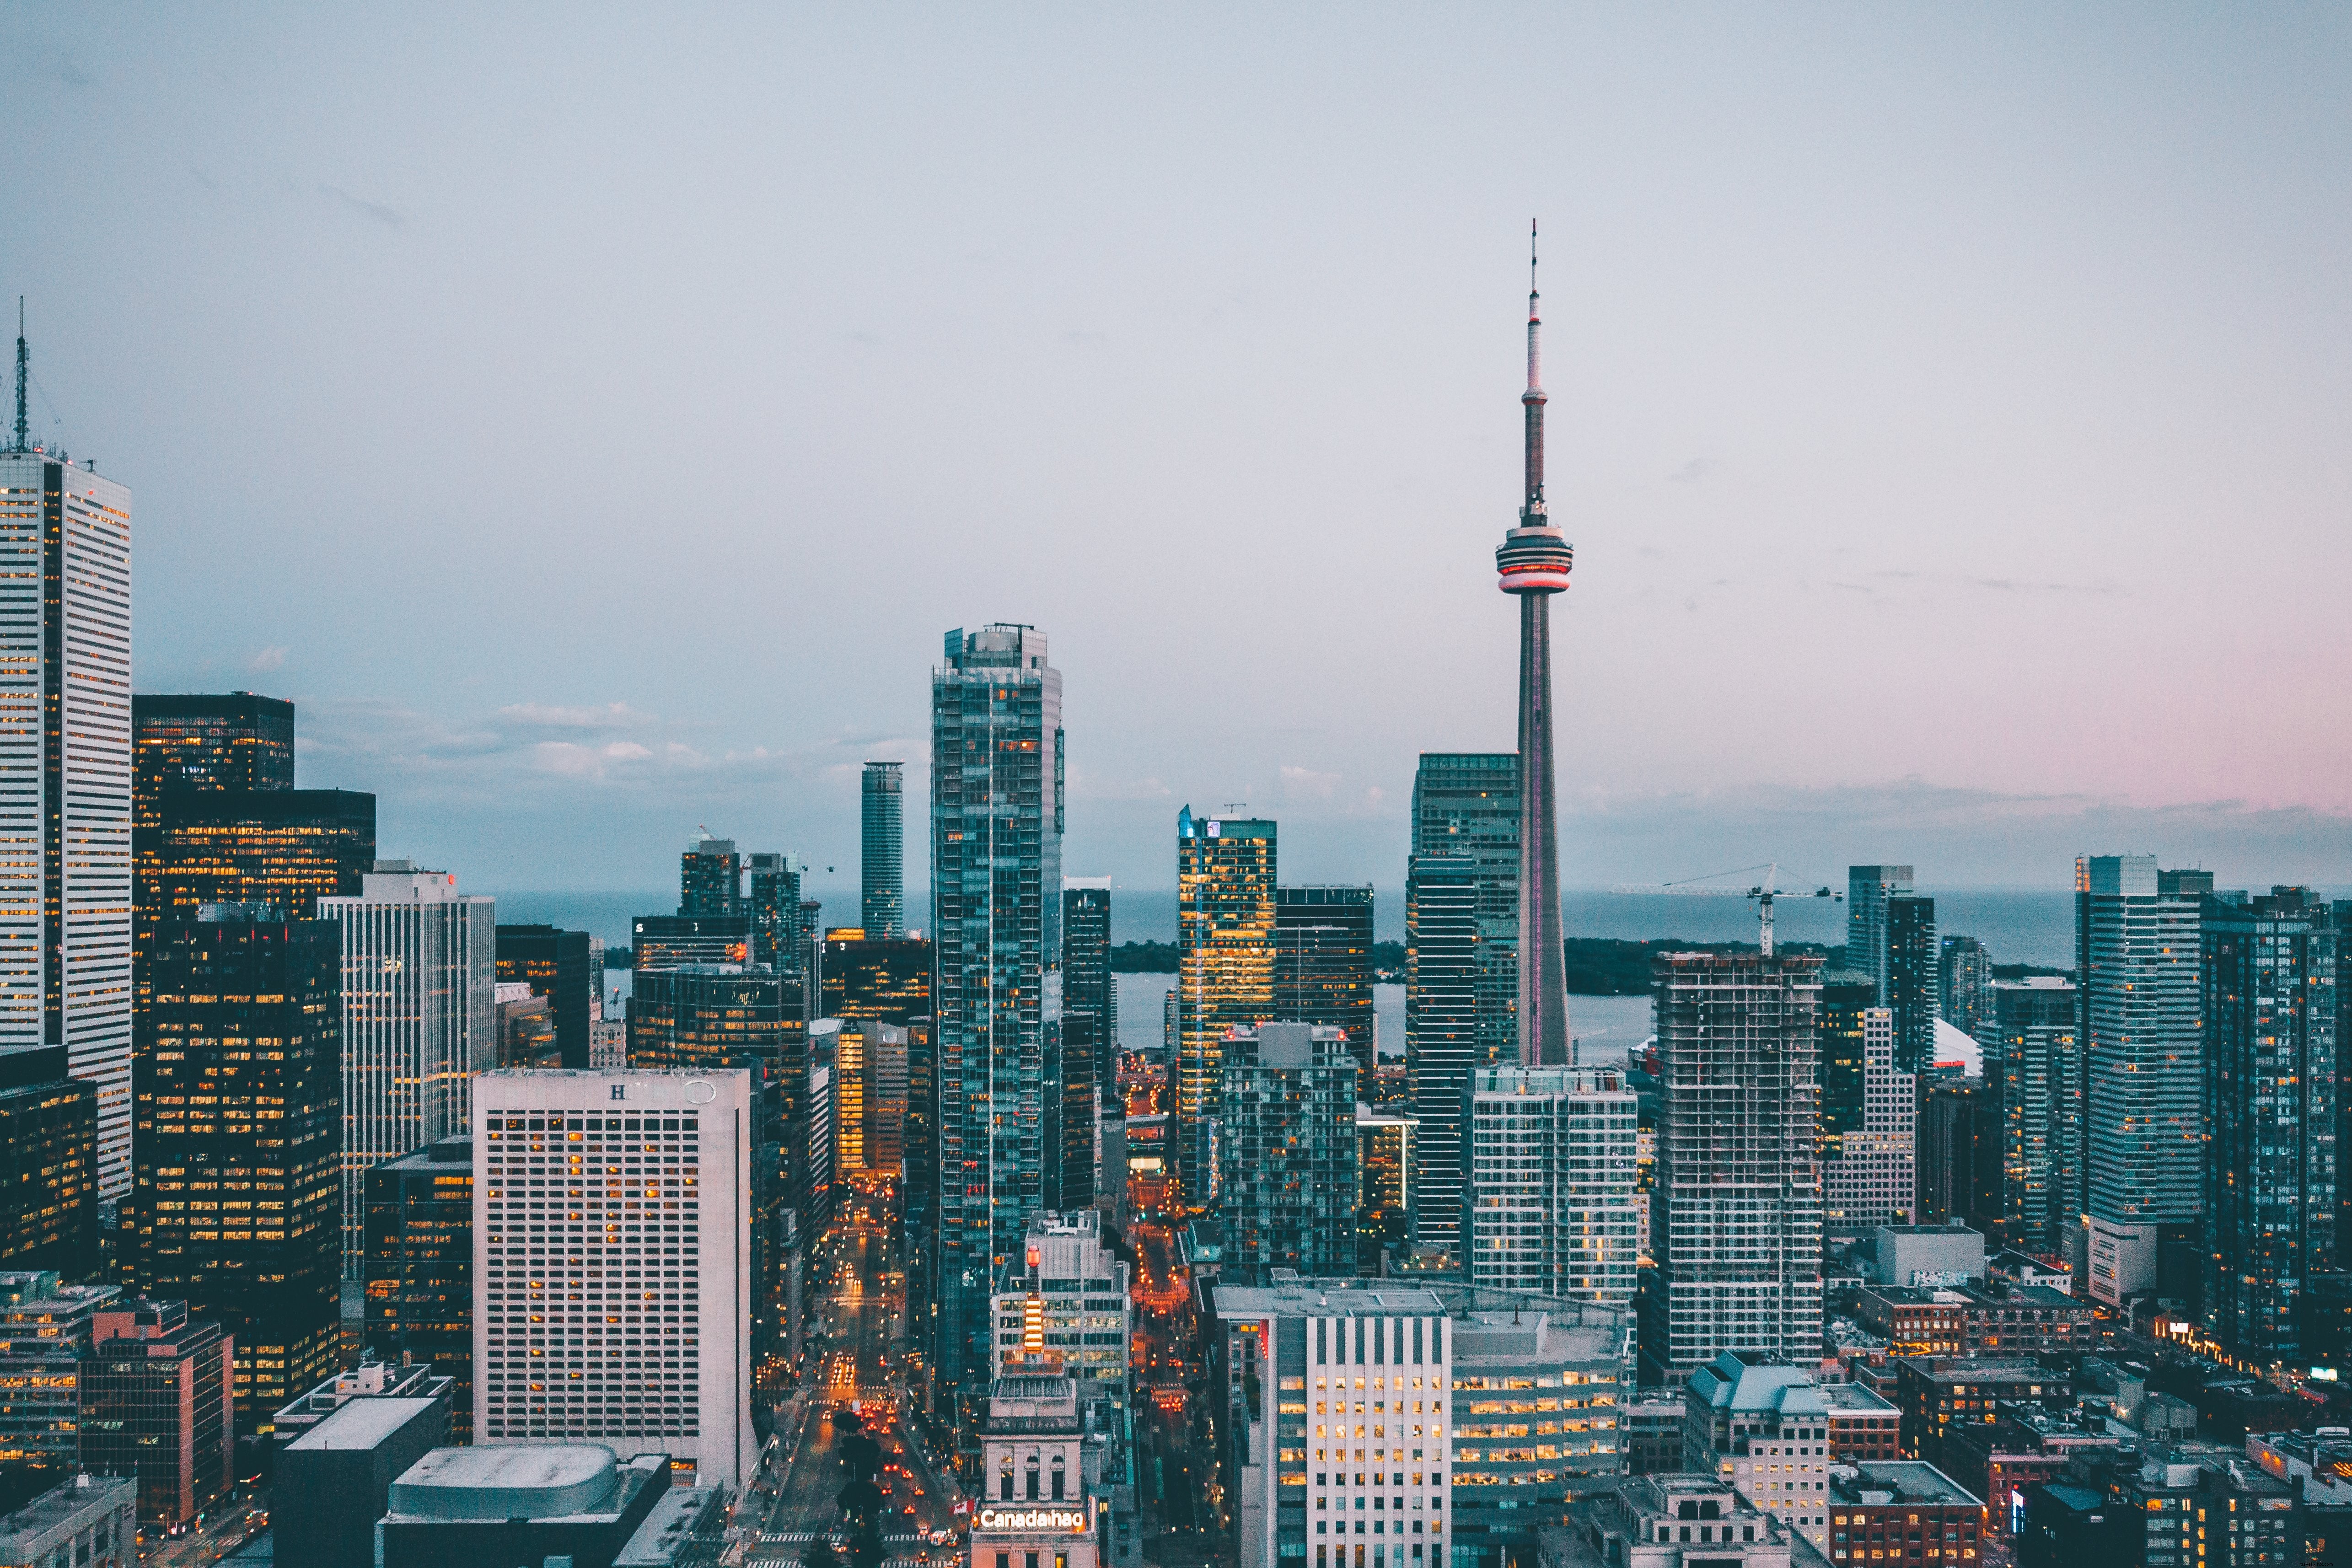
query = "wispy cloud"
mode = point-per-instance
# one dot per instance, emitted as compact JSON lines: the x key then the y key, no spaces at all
{"x":388,"y":216}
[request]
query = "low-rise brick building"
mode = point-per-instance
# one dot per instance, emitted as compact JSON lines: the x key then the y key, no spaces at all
{"x":1903,"y":1512}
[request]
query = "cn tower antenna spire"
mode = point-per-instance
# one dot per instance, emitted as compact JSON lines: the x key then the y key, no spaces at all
{"x":1532,"y":507}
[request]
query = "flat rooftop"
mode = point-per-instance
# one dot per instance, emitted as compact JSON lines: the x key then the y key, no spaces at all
{"x":60,"y":1504}
{"x":1328,"y":1298}
{"x":363,"y":1422}
{"x":1901,"y":1482}
{"x":509,"y":1481}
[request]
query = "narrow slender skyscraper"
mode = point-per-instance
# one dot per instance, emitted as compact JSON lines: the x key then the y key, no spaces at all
{"x":1533,"y":564}
{"x":882,"y":851}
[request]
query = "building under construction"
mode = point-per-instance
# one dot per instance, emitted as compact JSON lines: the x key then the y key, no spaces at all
{"x":1736,"y":1208}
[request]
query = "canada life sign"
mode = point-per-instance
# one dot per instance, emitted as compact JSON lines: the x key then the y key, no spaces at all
{"x":1069,"y":1519}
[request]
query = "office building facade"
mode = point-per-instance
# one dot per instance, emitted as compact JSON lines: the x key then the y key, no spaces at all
{"x":48,"y":1165}
{"x":1467,"y":803}
{"x":718,"y":1018}
{"x":559,"y":965}
{"x":1842,"y":1073}
{"x":1548,"y":1183}
{"x":420,"y":1268}
{"x":1443,"y":1037}
{"x":1287,"y":1111}
{"x":1323,"y":964}
{"x":156,"y":1405}
{"x":46,"y":1329}
{"x":882,"y":850}
{"x":2136,"y":955}
{"x":2268,"y":978}
{"x":2033,"y":1083}
{"x":1872,"y":1179}
{"x":660,"y":1246}
{"x":66,"y":789}
{"x":1066,"y":1311}
{"x":420,"y":1019}
{"x":1090,"y":994}
{"x":996,"y":871}
{"x":1224,"y":973}
{"x":227,"y":740}
{"x":884,"y":979}
{"x":235,"y":1204}
{"x":1736,"y":1205}
{"x":668,"y":942}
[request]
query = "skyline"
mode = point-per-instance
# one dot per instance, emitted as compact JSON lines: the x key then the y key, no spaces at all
{"x":1982,"y":380}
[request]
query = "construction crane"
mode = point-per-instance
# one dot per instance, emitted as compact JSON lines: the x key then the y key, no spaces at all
{"x":1762,"y":892}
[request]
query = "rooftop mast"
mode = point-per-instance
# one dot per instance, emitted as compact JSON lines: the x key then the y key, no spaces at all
{"x":24,"y":373}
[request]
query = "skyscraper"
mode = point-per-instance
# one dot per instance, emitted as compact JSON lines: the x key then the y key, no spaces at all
{"x":420,"y":978}
{"x":1533,"y":564}
{"x":2033,"y":1083}
{"x":1548,"y":1183}
{"x":1467,"y":803}
{"x":1323,"y":965}
{"x":420,"y":1268}
{"x":1386,"y":1161}
{"x":882,"y":850}
{"x":1911,"y":992}
{"x":555,"y":964}
{"x":1224,"y":972}
{"x":996,"y":869}
{"x":1443,"y":1039}
{"x":1089,"y":995}
{"x":1291,"y":1182}
{"x":1872,"y":1179}
{"x":1735,"y":1206}
{"x":661,"y":1364}
{"x":709,"y":1018}
{"x":2271,"y":1075}
{"x":774,"y":906}
{"x":2135,"y":945}
{"x":226,"y":742}
{"x":710,"y":877}
{"x":48,"y":1167}
{"x":1842,"y":1072}
{"x":883,"y":978}
{"x":665,"y":941}
{"x":236,"y":1204}
{"x":1964,"y":970}
{"x":65,"y":789}
{"x":1867,"y":890}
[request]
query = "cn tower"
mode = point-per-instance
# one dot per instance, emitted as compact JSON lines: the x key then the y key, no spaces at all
{"x":1532,"y":562}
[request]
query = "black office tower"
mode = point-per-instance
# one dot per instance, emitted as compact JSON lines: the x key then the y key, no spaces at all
{"x":1090,"y":994}
{"x":1323,"y":965}
{"x":237,"y":1143}
{"x":419,"y":1308}
{"x":774,"y":903}
{"x":883,"y":980}
{"x":232,"y":740}
{"x":710,"y":879}
{"x":554,"y":964}
{"x":48,"y":1165}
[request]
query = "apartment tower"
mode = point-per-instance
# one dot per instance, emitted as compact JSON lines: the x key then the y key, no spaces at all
{"x":1549,"y":1185}
{"x":996,"y":874}
{"x":1225,"y":974}
{"x":882,"y":850}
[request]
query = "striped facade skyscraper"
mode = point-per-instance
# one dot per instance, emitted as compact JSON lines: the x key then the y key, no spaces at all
{"x":882,"y":850}
{"x":65,"y":779}
{"x":1533,"y":564}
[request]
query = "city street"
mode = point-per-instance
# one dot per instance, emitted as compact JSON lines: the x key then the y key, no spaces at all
{"x":860,"y":1314}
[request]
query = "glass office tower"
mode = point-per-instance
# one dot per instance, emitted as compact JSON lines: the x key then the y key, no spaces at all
{"x":1225,"y":974}
{"x":882,"y":851}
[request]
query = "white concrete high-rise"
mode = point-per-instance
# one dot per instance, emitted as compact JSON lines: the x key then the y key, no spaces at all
{"x":1549,"y":1183}
{"x":612,"y":1278}
{"x":1736,"y":1205}
{"x":420,"y":1019}
{"x":65,"y":780}
{"x":1871,"y":1179}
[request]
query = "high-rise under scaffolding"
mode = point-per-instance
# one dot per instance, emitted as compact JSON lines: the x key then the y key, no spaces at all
{"x":1735,"y":1207}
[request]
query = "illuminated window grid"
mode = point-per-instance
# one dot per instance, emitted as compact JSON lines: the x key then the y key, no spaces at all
{"x":590,"y":1295}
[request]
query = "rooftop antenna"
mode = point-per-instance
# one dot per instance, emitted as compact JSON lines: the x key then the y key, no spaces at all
{"x":24,"y":373}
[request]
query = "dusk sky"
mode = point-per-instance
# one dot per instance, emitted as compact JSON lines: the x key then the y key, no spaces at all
{"x":592,"y":424}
